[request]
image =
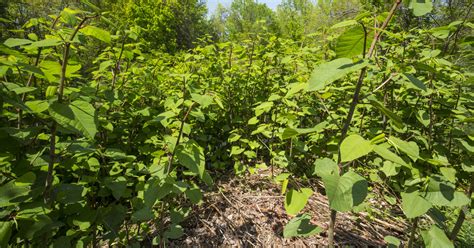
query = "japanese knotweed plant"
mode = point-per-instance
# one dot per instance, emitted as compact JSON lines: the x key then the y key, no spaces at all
{"x":414,"y":139}
{"x":103,"y":153}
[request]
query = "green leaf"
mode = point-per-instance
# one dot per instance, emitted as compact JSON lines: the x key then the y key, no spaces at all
{"x":344,"y":24}
{"x":236,"y":150}
{"x":70,"y":193}
{"x":78,"y":116}
{"x":326,"y":73}
{"x":194,"y":195}
{"x":325,"y":167}
{"x":351,"y":42}
{"x":388,"y":155}
{"x":85,"y":218}
{"x":354,"y":147}
{"x":174,"y":232}
{"x":15,"y":191}
{"x":293,"y":132}
{"x":144,"y":214}
{"x":203,"y":100}
{"x":295,"y":200}
{"x":68,"y":16}
{"x":448,"y":173}
{"x":395,"y":118}
{"x":191,"y":156}
{"x":117,"y":186}
{"x":463,"y":144}
{"x":441,"y":193}
{"x":5,"y":233}
{"x":17,"y":89}
{"x":97,"y":33}
{"x":421,"y":7}
{"x":436,"y":238}
{"x":37,"y":106}
{"x":409,"y":148}
{"x":300,"y":226}
{"x":423,"y":117}
{"x":413,"y":205}
{"x":346,"y":191}
{"x":415,"y":82}
{"x":46,"y":43}
{"x":392,"y":242}
{"x":13,"y":42}
{"x":390,"y":169}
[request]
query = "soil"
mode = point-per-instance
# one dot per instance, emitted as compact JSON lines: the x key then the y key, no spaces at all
{"x":249,"y":211}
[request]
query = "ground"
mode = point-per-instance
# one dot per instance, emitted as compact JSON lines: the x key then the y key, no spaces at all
{"x":249,"y":211}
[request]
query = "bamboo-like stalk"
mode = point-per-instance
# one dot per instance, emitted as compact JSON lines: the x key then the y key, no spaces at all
{"x":62,"y":80}
{"x":350,"y":114}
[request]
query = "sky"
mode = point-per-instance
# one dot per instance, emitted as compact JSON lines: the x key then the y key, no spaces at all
{"x":212,"y":4}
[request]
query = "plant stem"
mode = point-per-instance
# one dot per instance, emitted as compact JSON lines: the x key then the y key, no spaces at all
{"x":352,"y":108}
{"x":462,"y":215}
{"x":62,"y":80}
{"x":413,"y":232}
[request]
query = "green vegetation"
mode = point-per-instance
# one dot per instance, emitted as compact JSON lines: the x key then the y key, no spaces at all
{"x":116,"y":115}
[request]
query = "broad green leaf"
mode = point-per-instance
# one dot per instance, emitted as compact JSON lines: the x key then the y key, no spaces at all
{"x":85,"y":218}
{"x":441,"y":193}
{"x":423,"y":117}
{"x":395,"y":118}
{"x":351,"y":42}
{"x":328,"y":72}
{"x":392,"y":242}
{"x":203,"y":100}
{"x":113,"y":216}
{"x":300,"y":226}
{"x":413,"y":205}
{"x":54,"y":68}
{"x":233,"y":137}
{"x":388,"y":155}
{"x":390,"y":169}
{"x":78,"y":116}
{"x":466,"y":146}
{"x":415,"y":82}
{"x":46,"y":43}
{"x":344,"y":24}
{"x":144,"y":214}
{"x":117,"y":186}
{"x":16,"y":191}
{"x":70,"y":193}
{"x":5,"y":233}
{"x":346,"y":191}
{"x":292,"y":132}
{"x":421,"y":7}
{"x":409,"y":148}
{"x":13,"y":42}
{"x":354,"y":147}
{"x":325,"y":167}
{"x":18,"y":89}
{"x":37,"y":106}
{"x":295,"y":200}
{"x":263,"y":108}
{"x":68,"y":16}
{"x":252,"y":121}
{"x":97,"y":33}
{"x":236,"y":150}
{"x":194,"y":195}
{"x":174,"y":232}
{"x":191,"y":155}
{"x":436,"y":238}
{"x":448,"y":173}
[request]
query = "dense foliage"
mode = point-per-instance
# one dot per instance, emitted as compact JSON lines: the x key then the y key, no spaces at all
{"x":112,"y":128}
